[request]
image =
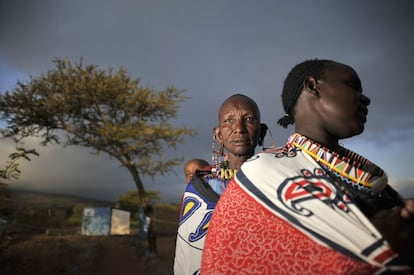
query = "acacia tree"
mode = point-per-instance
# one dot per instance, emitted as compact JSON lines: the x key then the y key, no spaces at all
{"x":103,"y":110}
{"x":12,"y":171}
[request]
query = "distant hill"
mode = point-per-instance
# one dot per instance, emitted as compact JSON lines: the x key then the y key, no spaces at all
{"x":23,"y":198}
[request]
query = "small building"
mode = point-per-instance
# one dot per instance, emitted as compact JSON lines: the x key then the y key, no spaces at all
{"x":104,"y":221}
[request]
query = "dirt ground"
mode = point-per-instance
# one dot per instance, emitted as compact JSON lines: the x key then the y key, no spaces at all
{"x":76,"y":254}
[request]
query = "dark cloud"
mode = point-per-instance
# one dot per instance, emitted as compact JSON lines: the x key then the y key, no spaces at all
{"x":404,"y":187}
{"x":212,"y":49}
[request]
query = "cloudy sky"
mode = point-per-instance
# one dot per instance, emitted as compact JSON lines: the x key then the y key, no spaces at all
{"x":213,"y":49}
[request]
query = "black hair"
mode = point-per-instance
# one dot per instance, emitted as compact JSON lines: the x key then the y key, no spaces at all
{"x":293,"y":85}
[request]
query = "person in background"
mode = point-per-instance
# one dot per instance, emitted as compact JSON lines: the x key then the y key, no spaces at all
{"x":147,"y":229}
{"x":152,"y":232}
{"x":313,"y":206}
{"x":239,"y":131}
{"x":191,"y":166}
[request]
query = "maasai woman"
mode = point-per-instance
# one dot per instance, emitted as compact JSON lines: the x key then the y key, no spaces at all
{"x":238,"y":132}
{"x":312,"y":206}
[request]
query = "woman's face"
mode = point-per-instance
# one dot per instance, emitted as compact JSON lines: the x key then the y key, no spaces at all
{"x":342,"y":106}
{"x":239,"y":126}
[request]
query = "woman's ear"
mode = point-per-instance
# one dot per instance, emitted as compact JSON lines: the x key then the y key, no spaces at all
{"x":310,"y":85}
{"x":217,"y":134}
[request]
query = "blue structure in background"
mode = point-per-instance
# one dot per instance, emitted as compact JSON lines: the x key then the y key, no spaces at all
{"x":96,"y":221}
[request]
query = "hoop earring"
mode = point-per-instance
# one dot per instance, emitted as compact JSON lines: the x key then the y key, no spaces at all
{"x":272,"y":139}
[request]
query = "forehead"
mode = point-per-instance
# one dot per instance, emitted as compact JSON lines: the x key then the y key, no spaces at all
{"x":239,"y":104}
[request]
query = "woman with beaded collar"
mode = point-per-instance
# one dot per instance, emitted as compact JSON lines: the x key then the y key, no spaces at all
{"x":312,"y":206}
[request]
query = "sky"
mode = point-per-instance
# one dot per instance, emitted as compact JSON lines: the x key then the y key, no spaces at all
{"x":211,"y":50}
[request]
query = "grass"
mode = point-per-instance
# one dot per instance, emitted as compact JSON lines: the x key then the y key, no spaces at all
{"x":25,"y":248}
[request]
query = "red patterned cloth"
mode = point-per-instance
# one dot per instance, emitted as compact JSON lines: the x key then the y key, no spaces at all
{"x":245,"y":238}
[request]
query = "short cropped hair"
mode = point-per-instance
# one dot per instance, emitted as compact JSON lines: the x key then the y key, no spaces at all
{"x":293,"y":85}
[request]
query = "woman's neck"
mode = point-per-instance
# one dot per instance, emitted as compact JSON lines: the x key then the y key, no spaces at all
{"x":321,"y":138}
{"x":236,"y":161}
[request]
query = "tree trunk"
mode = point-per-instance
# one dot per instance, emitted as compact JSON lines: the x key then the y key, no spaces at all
{"x":138,"y":183}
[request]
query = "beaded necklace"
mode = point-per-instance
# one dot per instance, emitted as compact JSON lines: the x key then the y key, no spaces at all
{"x":223,"y":171}
{"x":349,"y":166}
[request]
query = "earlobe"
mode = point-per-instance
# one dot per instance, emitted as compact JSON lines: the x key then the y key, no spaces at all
{"x":217,"y":134}
{"x":310,"y":85}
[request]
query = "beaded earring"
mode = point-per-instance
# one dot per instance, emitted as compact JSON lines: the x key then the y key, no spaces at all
{"x":217,"y":155}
